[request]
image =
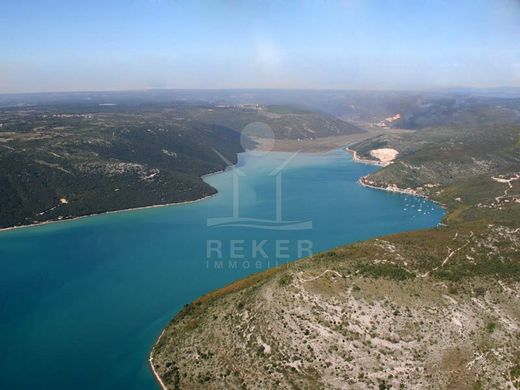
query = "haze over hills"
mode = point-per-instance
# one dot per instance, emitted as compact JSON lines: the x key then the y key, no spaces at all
{"x":67,"y":160}
{"x":73,"y":154}
{"x":418,"y":108}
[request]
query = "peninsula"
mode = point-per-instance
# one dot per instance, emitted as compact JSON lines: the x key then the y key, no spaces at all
{"x":438,"y":308}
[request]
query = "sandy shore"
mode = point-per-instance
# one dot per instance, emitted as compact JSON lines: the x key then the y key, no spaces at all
{"x":383,"y":157}
{"x":366,"y":183}
{"x":389,"y":187}
{"x":361,"y":160}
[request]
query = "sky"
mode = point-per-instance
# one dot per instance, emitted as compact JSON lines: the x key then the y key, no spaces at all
{"x":94,"y":45}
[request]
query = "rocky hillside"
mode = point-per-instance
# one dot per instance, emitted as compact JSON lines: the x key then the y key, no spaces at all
{"x":286,"y":122}
{"x":438,"y":308}
{"x":66,"y":160}
{"x":58,"y":162}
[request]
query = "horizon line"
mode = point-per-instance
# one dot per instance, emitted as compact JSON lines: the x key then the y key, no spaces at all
{"x":428,"y":89}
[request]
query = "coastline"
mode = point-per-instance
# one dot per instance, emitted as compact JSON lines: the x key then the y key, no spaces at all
{"x":390,"y":188}
{"x":358,"y":159}
{"x":150,"y":361}
{"x":363,"y":181}
{"x":53,"y":221}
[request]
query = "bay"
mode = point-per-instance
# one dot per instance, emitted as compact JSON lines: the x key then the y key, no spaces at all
{"x":83,"y":301}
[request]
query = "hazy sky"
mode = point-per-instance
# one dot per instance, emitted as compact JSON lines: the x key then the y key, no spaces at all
{"x":63,"y":45}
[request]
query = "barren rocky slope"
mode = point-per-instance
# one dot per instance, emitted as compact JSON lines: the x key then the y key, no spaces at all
{"x":438,"y":308}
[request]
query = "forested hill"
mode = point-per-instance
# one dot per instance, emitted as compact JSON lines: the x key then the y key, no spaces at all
{"x":71,"y":159}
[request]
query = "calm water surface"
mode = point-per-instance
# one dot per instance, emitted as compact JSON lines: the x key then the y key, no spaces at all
{"x":82,"y":302}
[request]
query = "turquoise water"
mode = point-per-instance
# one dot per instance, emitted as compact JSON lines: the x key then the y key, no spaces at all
{"x":82,"y":302}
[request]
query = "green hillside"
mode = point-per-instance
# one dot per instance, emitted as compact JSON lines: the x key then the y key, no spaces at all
{"x":67,"y":160}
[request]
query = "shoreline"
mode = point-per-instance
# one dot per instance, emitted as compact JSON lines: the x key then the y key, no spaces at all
{"x":404,"y":191}
{"x":367,"y":161}
{"x":389,"y":187}
{"x":55,"y":221}
{"x":393,"y":188}
{"x":71,"y":219}
{"x":150,"y":362}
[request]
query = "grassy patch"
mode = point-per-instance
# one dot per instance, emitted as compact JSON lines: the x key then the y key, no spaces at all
{"x":388,"y":271}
